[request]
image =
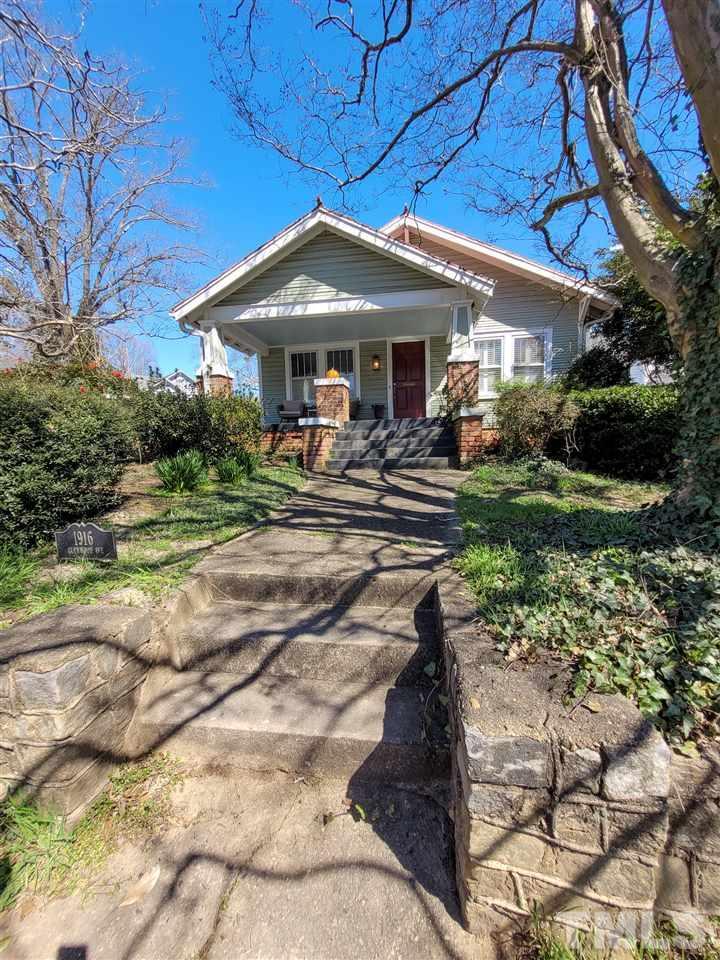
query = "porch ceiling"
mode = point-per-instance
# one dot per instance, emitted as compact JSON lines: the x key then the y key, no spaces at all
{"x":341,"y":327}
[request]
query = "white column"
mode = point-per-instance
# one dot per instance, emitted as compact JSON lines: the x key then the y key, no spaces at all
{"x":214,"y":362}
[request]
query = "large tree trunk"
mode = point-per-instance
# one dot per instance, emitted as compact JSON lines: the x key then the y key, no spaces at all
{"x":697,"y":336}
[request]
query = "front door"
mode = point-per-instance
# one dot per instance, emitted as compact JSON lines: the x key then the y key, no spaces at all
{"x":408,"y":367}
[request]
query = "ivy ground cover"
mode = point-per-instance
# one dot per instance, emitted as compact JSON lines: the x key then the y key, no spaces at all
{"x":568,"y":562}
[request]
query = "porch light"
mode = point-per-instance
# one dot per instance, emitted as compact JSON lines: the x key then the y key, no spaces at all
{"x":375,"y":362}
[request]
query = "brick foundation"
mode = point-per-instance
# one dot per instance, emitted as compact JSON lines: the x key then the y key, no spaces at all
{"x":281,"y":443}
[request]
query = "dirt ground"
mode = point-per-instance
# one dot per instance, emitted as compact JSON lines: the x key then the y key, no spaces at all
{"x":265,"y":865}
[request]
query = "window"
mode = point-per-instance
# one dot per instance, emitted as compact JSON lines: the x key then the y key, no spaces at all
{"x":529,"y":359}
{"x":490,"y":353}
{"x":303,"y":370}
{"x":344,"y":362}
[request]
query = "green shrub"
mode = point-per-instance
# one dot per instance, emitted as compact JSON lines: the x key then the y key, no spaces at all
{"x":250,"y":461}
{"x":597,"y":367}
{"x":231,"y":471}
{"x":529,"y":414}
{"x":628,"y":432}
{"x":166,"y":424}
{"x":182,"y":473}
{"x":63,"y":452}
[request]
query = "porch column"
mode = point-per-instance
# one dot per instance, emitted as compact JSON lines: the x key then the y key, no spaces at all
{"x":471,"y":440}
{"x":462,"y":383}
{"x":214,"y":376}
{"x":332,"y":399}
{"x":318,"y":438}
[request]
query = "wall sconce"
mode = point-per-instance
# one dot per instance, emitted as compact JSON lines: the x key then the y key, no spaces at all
{"x":375,"y":362}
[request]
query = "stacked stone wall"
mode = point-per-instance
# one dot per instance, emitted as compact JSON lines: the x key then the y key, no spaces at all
{"x":578,"y":809}
{"x":69,"y":684}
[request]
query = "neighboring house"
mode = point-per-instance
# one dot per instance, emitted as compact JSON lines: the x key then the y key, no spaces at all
{"x":390,"y":309}
{"x":176,"y":382}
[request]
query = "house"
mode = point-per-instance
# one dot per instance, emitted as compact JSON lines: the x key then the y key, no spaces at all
{"x":176,"y":382}
{"x":417,"y":319}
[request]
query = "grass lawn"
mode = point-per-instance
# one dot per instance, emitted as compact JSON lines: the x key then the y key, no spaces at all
{"x":157,"y":543}
{"x":565,"y":561}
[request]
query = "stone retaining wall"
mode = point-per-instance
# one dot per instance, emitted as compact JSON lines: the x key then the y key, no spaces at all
{"x":579,"y":809}
{"x":69,"y":683}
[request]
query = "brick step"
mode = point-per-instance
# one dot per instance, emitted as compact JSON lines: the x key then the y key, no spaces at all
{"x":311,"y":726}
{"x":422,"y":439}
{"x":392,"y":463}
{"x":334,"y":643}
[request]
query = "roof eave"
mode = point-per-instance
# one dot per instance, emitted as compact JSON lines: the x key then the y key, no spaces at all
{"x":540,"y":273}
{"x":263,"y":257}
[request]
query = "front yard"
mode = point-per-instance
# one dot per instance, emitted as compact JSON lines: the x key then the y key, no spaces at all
{"x":160,"y":538}
{"x":564,"y":561}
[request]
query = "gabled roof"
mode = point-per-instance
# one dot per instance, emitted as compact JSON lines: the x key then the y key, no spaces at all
{"x":308,"y":226}
{"x":496,"y":256}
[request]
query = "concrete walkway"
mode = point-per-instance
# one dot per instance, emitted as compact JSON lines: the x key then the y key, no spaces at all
{"x":271,"y":863}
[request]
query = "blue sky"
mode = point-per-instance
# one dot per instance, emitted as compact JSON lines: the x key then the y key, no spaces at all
{"x":250,"y":195}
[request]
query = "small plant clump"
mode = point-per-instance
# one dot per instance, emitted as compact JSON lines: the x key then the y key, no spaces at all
{"x":183,"y":473}
{"x":236,"y":469}
{"x":250,"y":460}
{"x":40,"y":856}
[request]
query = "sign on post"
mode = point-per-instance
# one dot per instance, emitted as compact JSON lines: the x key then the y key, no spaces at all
{"x":85,"y":541}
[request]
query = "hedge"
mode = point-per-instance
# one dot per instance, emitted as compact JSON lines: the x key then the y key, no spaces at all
{"x":628,"y":432}
{"x":63,"y":453}
{"x":165,"y":424}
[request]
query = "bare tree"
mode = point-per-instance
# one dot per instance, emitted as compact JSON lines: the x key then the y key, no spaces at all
{"x":555,"y":111}
{"x":126,"y":350}
{"x":87,"y":237}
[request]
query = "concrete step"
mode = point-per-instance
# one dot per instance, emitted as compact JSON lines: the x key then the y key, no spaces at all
{"x":416,"y":441}
{"x":334,"y":643}
{"x":400,"y":433}
{"x":407,"y":423}
{"x":229,"y":583}
{"x":391,"y":452}
{"x":335,"y":729}
{"x":392,"y":463}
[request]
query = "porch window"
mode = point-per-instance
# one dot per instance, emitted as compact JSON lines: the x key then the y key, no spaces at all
{"x":303,"y":370}
{"x":529,"y":359}
{"x":343,"y":360}
{"x":490,"y":354}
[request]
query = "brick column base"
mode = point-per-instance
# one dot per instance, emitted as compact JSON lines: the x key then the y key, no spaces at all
{"x":332,"y":399}
{"x":472,"y":441}
{"x":219,"y":386}
{"x":317,"y":442}
{"x":462,"y":383}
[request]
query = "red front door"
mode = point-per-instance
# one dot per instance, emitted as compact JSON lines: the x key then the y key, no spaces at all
{"x":408,"y":366}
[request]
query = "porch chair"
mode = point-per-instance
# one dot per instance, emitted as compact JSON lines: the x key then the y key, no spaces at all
{"x":291,"y":410}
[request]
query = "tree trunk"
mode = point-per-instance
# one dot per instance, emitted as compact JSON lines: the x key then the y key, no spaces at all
{"x":698,"y":341}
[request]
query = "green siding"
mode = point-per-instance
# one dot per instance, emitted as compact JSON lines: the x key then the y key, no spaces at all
{"x":373,"y":383}
{"x":330,"y":266}
{"x":439,"y":349}
{"x":272,"y":380}
{"x":521,"y":304}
